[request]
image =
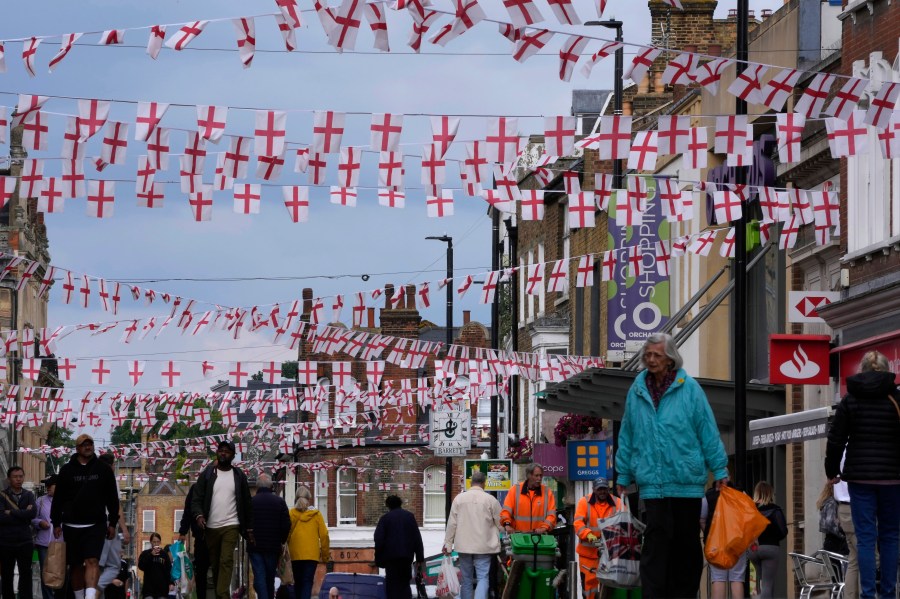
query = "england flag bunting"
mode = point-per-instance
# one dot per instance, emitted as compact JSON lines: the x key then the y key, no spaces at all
{"x":846,"y":100}
{"x":184,"y":36}
{"x":779,"y":88}
{"x":68,"y":40}
{"x":155,"y":41}
{"x":814,"y":96}
{"x":709,"y":74}
{"x":245,"y":31}
{"x":584,"y":276}
{"x":377,"y":19}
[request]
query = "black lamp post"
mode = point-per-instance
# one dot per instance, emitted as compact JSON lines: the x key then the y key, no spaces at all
{"x":448,"y":477}
{"x":617,"y":86}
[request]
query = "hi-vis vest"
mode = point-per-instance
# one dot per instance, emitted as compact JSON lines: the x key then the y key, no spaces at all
{"x":587,"y":514}
{"x":527,"y":510}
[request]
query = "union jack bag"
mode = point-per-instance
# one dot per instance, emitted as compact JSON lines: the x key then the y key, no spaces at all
{"x":620,"y":549}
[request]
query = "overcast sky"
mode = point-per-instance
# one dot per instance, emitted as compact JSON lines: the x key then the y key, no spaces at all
{"x":474,"y":75}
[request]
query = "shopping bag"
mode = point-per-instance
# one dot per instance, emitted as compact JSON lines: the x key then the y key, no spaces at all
{"x":735,"y":525}
{"x":55,"y":565}
{"x":620,"y":549}
{"x":448,"y":579}
{"x":285,"y":570}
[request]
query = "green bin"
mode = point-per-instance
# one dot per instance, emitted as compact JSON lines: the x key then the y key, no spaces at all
{"x":540,"y":580}
{"x":523,"y":550}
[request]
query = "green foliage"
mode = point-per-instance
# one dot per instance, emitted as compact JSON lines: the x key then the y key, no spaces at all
{"x":123,"y":435}
{"x":58,"y":437}
{"x":289,"y":370}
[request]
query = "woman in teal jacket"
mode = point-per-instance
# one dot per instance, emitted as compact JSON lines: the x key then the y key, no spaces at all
{"x":668,"y":444}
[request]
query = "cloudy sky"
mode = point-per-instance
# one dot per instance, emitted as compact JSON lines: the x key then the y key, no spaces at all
{"x":165,"y":250}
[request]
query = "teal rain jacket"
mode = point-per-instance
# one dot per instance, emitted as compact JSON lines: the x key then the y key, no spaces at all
{"x":669,"y":451}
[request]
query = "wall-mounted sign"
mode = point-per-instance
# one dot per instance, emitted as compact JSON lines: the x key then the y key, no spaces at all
{"x":497,"y":472}
{"x":587,"y":459}
{"x":450,"y":432}
{"x":802,"y":305}
{"x":799,"y":359}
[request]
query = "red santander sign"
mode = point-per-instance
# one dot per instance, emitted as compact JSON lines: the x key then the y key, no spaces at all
{"x":799,"y":359}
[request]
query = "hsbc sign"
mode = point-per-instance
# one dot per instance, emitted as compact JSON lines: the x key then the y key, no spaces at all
{"x":803,"y":305}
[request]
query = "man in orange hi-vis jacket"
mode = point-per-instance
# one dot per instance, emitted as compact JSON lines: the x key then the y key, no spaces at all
{"x":596,"y":506}
{"x":529,"y":506}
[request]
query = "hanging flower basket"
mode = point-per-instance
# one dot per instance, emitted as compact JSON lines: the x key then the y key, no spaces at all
{"x":575,"y":426}
{"x":521,"y":450}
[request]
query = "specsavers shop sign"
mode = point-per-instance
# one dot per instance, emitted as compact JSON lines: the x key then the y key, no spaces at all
{"x":638,"y":306}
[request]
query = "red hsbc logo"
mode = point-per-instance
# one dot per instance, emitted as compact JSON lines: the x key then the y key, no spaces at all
{"x":803,"y":306}
{"x":799,"y":359}
{"x":808,"y":305}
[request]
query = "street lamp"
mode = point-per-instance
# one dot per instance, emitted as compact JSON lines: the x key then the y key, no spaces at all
{"x":617,"y":86}
{"x":448,"y":465}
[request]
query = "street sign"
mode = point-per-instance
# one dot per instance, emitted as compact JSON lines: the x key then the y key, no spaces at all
{"x":803,"y":305}
{"x":450,"y":432}
{"x":587,"y":459}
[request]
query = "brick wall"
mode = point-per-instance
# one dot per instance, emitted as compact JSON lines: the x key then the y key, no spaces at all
{"x":164,"y":507}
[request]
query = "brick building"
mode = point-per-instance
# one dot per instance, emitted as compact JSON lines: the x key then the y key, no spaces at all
{"x":158,"y":508}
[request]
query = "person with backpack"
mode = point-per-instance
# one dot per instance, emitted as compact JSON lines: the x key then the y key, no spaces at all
{"x":765,"y":556}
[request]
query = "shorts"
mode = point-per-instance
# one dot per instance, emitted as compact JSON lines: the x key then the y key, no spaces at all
{"x":83,"y":543}
{"x":737,"y":573}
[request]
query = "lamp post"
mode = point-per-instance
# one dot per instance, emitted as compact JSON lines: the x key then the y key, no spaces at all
{"x":617,"y":86}
{"x":448,"y":466}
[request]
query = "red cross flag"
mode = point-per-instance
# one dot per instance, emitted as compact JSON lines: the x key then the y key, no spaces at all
{"x":288,"y":33}
{"x":73,"y":147}
{"x":584,"y":276}
{"x":270,"y":132}
{"x":605,"y":50}
{"x":644,"y":151}
{"x":68,"y":40}
{"x":349,"y":167}
{"x":50,"y":200}
{"x":731,"y":138}
{"x":35,"y":131}
{"x":247,"y":198}
{"x":475,"y":164}
{"x":211,"y":122}
{"x":628,"y":210}
{"x":889,"y":139}
{"x":114,"y":143}
{"x":559,"y":135}
{"x":343,"y":196}
{"x":801,"y":205}
{"x":170,"y":375}
{"x":185,"y":35}
{"x":200,"y":203}
{"x":641,"y":63}
{"x":502,"y":140}
{"x":523,"y":13}
{"x":709,"y":74}
{"x":158,"y":148}
{"x":779,"y":88}
{"x":814,"y":96}
{"x":559,"y":277}
{"x":378,"y":24}
{"x":391,"y":198}
{"x":73,"y":179}
{"x":29,"y":50}
{"x":237,"y":157}
{"x":390,"y":169}
{"x":7,"y":188}
{"x":328,"y":129}
{"x":532,"y":204}
{"x":530,"y":43}
{"x":697,"y":151}
{"x":603,"y":183}
{"x":101,"y":195}
{"x":347,"y":21}
{"x":155,"y":41}
{"x":443,"y":132}
{"x":290,"y":12}
{"x":112,"y":37}
{"x":489,"y":287}
{"x":100,"y":373}
{"x":27,"y":105}
{"x":846,"y":100}
{"x":386,"y":130}
{"x":608,"y":266}
{"x":788,"y":238}
{"x":31,"y":368}
{"x":680,"y":70}
{"x":569,"y":54}
{"x":245,"y":31}
{"x":789,"y":128}
{"x":441,"y":205}
{"x":614,"y":137}
{"x":534,"y":283}
{"x":296,"y":200}
{"x":316,"y":169}
{"x":701,"y":243}
{"x":881,"y":107}
{"x":581,"y":210}
{"x":663,"y":257}
{"x":847,"y":138}
{"x":148,"y":117}
{"x":747,"y":85}
{"x":673,"y":134}
{"x":92,"y":115}
{"x":32,"y":177}
{"x":726,"y":249}
{"x":434,"y":168}
{"x":727,"y":205}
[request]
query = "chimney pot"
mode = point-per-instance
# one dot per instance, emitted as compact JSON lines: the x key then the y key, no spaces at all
{"x":467,"y":316}
{"x":388,"y":294}
{"x":371,"y":317}
{"x":410,"y":297}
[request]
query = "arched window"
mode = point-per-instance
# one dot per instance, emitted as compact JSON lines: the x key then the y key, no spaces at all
{"x":346,"y":503}
{"x":435,"y":483}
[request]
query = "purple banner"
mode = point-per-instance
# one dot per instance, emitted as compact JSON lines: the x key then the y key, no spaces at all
{"x":551,"y":457}
{"x":636,"y":306}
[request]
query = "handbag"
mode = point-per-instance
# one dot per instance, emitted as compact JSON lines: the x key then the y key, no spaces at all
{"x":829,"y":523}
{"x":285,"y":569}
{"x":54,"y":575}
{"x":620,"y":541}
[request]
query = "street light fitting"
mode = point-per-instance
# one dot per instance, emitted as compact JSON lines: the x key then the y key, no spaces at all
{"x":609,"y":24}
{"x":445,"y":238}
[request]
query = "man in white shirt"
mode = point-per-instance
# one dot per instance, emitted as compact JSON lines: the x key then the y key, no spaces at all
{"x":474,"y":530}
{"x":222,"y":505}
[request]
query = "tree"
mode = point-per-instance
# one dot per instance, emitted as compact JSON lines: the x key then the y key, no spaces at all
{"x":58,"y":437}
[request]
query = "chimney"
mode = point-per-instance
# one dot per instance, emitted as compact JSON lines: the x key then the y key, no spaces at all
{"x":751,"y":14}
{"x":307,"y":300}
{"x":467,"y":316}
{"x":766,"y":13}
{"x":371,"y":317}
{"x":732,"y":14}
{"x":388,"y":294}
{"x":410,"y":297}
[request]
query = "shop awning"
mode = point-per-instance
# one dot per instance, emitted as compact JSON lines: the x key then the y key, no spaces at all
{"x":789,"y":428}
{"x":601,"y":392}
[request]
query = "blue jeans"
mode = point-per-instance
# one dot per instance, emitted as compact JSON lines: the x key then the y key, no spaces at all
{"x":875,"y":510}
{"x":304,"y":576}
{"x":475,"y":568}
{"x":265,"y":566}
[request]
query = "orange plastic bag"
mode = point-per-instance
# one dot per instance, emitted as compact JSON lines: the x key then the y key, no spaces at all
{"x":735,"y":525}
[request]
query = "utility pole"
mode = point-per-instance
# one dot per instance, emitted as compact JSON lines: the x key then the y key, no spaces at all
{"x":739,"y":317}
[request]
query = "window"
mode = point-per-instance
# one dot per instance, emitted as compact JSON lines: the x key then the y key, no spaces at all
{"x":435,"y":482}
{"x":346,"y":496}
{"x":148,"y":520}
{"x":321,"y":492}
{"x":565,"y":238}
{"x":145,"y":545}
{"x":178,"y":516}
{"x":323,"y":415}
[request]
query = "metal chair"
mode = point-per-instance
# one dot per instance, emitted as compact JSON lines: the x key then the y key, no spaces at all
{"x":808,"y":586}
{"x":836,"y":566}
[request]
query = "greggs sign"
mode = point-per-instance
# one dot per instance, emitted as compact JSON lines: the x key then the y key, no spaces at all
{"x":799,"y":359}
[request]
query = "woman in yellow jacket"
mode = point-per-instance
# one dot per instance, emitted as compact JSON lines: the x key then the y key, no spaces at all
{"x":308,"y":543}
